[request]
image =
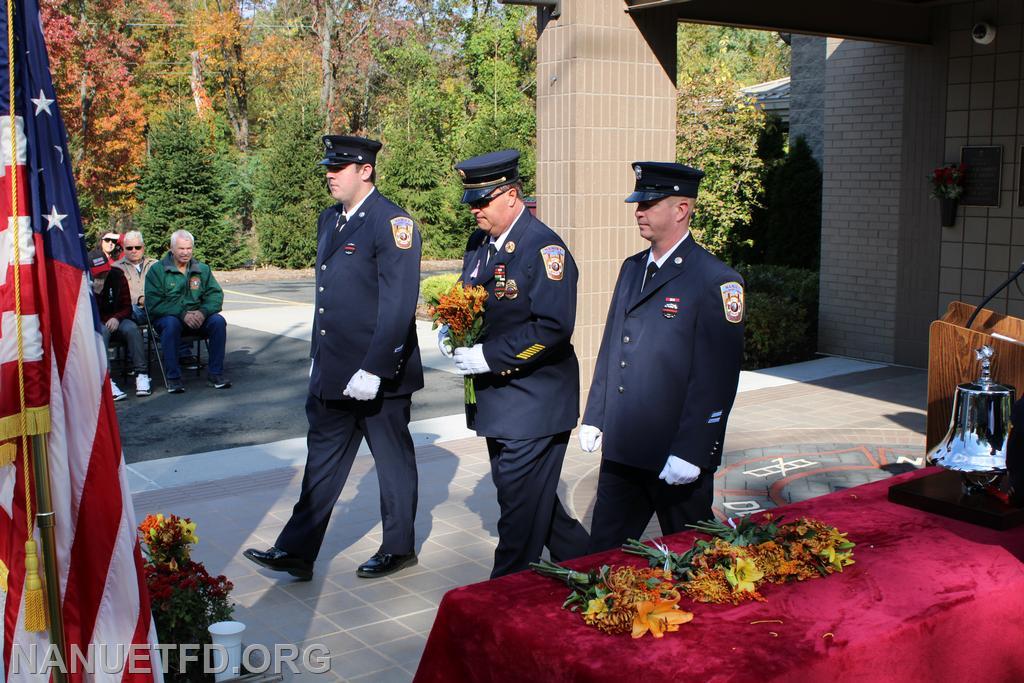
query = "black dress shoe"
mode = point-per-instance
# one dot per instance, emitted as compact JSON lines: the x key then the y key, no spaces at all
{"x":382,"y":564}
{"x":280,"y":561}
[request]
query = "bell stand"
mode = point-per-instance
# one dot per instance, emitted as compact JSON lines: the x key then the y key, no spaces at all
{"x":951,"y":361}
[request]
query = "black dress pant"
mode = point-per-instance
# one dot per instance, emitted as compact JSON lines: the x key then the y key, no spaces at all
{"x":628,"y":496}
{"x":336,"y":429}
{"x":525,"y":472}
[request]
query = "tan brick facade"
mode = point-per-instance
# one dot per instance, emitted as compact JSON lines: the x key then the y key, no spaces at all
{"x":604,"y":99}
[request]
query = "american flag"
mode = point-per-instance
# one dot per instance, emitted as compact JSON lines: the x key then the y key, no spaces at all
{"x":105,"y":602}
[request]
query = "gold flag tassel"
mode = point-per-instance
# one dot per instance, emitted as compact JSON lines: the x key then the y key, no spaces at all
{"x":4,"y":571}
{"x":35,"y":605}
{"x":8,"y":451}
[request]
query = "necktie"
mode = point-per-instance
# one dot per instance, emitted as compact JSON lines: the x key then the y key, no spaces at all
{"x":342,"y":220}
{"x":491,"y":251}
{"x":652,"y":270}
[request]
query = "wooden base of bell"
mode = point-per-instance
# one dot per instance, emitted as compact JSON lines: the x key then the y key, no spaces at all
{"x":943,"y":494}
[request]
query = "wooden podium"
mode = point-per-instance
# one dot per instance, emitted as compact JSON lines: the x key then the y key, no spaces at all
{"x":951,"y":361}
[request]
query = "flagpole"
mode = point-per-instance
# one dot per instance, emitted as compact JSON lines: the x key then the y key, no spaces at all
{"x":46,"y":520}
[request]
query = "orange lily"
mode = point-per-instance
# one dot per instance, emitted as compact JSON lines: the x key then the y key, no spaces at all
{"x":658,"y":617}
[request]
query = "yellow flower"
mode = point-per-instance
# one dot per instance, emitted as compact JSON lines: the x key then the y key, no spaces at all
{"x":743,"y":575}
{"x":595,"y":607}
{"x":658,"y":617}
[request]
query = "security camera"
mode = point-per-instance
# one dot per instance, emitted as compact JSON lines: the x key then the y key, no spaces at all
{"x":983,"y":33}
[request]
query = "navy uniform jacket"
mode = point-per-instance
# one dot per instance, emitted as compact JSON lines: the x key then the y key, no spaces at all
{"x":367,"y":284}
{"x":534,"y":385}
{"x":670,"y":360}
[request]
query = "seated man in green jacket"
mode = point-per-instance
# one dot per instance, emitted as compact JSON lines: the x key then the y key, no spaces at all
{"x":182,"y":292}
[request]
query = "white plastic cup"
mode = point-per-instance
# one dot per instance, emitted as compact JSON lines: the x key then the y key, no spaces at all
{"x":227,"y":635}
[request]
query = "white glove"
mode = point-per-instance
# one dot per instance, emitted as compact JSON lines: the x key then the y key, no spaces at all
{"x":678,"y":471}
{"x":470,"y":361}
{"x":363,"y":386}
{"x":443,"y":345}
{"x":590,"y":438}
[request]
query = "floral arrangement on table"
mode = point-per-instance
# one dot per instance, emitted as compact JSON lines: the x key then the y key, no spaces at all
{"x":948,"y":181}
{"x":730,"y":567}
{"x":461,"y":308}
{"x":185,"y":599}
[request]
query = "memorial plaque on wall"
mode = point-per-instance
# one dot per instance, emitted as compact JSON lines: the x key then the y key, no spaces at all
{"x":983,"y":174}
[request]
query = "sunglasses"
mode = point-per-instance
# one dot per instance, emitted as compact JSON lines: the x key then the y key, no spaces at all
{"x":138,"y":248}
{"x":110,"y":239}
{"x":484,"y":201}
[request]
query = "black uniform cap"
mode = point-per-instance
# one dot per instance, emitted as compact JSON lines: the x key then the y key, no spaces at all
{"x":481,"y":174}
{"x":349,"y":149}
{"x":657,"y":179}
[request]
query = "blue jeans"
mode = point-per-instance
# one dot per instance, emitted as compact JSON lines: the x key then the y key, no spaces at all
{"x":170,"y":327}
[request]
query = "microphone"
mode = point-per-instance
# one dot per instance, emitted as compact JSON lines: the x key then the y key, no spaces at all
{"x":991,"y":296}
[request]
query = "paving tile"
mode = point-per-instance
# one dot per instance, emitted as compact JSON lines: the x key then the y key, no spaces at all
{"x":359,"y":663}
{"x":359,"y":616}
{"x":406,"y":604}
{"x":375,"y":591}
{"x":395,"y":674}
{"x":382,"y":632}
{"x":420,"y":621}
{"x":406,"y":650}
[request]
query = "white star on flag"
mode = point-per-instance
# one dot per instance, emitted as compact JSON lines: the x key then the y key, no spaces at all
{"x":42,"y":103}
{"x":54,"y":219}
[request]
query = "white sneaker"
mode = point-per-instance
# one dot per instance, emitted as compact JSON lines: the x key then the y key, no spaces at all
{"x":116,"y":391}
{"x":142,"y":387}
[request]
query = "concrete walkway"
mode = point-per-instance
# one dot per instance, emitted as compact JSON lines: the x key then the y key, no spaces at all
{"x":795,"y":432}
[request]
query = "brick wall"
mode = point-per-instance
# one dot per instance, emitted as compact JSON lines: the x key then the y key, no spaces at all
{"x":860,"y":198}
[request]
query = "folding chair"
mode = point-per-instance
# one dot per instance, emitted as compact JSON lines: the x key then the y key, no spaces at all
{"x":193,"y":338}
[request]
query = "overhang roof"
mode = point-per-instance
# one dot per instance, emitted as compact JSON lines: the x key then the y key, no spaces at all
{"x":887,"y":21}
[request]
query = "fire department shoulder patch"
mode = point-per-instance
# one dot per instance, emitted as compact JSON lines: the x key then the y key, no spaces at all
{"x":732,"y":301}
{"x":401,"y":230}
{"x":554,"y":261}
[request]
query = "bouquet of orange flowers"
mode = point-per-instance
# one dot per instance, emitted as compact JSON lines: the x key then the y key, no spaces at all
{"x":461,"y":308}
{"x":731,"y":567}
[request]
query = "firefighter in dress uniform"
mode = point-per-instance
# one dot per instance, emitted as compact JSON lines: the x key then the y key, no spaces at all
{"x":365,"y":364}
{"x":524,"y":369}
{"x":667,"y":371}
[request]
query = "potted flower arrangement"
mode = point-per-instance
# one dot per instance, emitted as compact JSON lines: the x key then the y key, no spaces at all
{"x":947,"y":186}
{"x":184,"y":597}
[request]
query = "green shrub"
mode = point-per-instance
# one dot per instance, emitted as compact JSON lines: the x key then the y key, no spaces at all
{"x":777,"y":332}
{"x":795,"y":284}
{"x":436,"y":285}
{"x":782,"y":315}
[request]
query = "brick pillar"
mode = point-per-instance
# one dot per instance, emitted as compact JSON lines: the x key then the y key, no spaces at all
{"x":605,"y":97}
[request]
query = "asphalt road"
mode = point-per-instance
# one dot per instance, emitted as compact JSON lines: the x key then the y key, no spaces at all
{"x":266,"y":402}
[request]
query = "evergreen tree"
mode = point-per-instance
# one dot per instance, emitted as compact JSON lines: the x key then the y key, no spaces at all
{"x":182,"y":188}
{"x":417,"y":163}
{"x":289,"y":188}
{"x":793,"y":198}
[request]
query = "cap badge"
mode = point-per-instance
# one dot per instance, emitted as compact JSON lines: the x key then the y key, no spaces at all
{"x":462,"y":174}
{"x":638,"y":171}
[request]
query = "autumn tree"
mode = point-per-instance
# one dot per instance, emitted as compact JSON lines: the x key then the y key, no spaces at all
{"x":93,"y":60}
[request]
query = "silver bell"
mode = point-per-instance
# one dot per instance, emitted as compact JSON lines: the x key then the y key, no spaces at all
{"x":979,"y":427}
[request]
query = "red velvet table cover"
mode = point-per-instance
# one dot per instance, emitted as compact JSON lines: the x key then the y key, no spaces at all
{"x":929,"y":599}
